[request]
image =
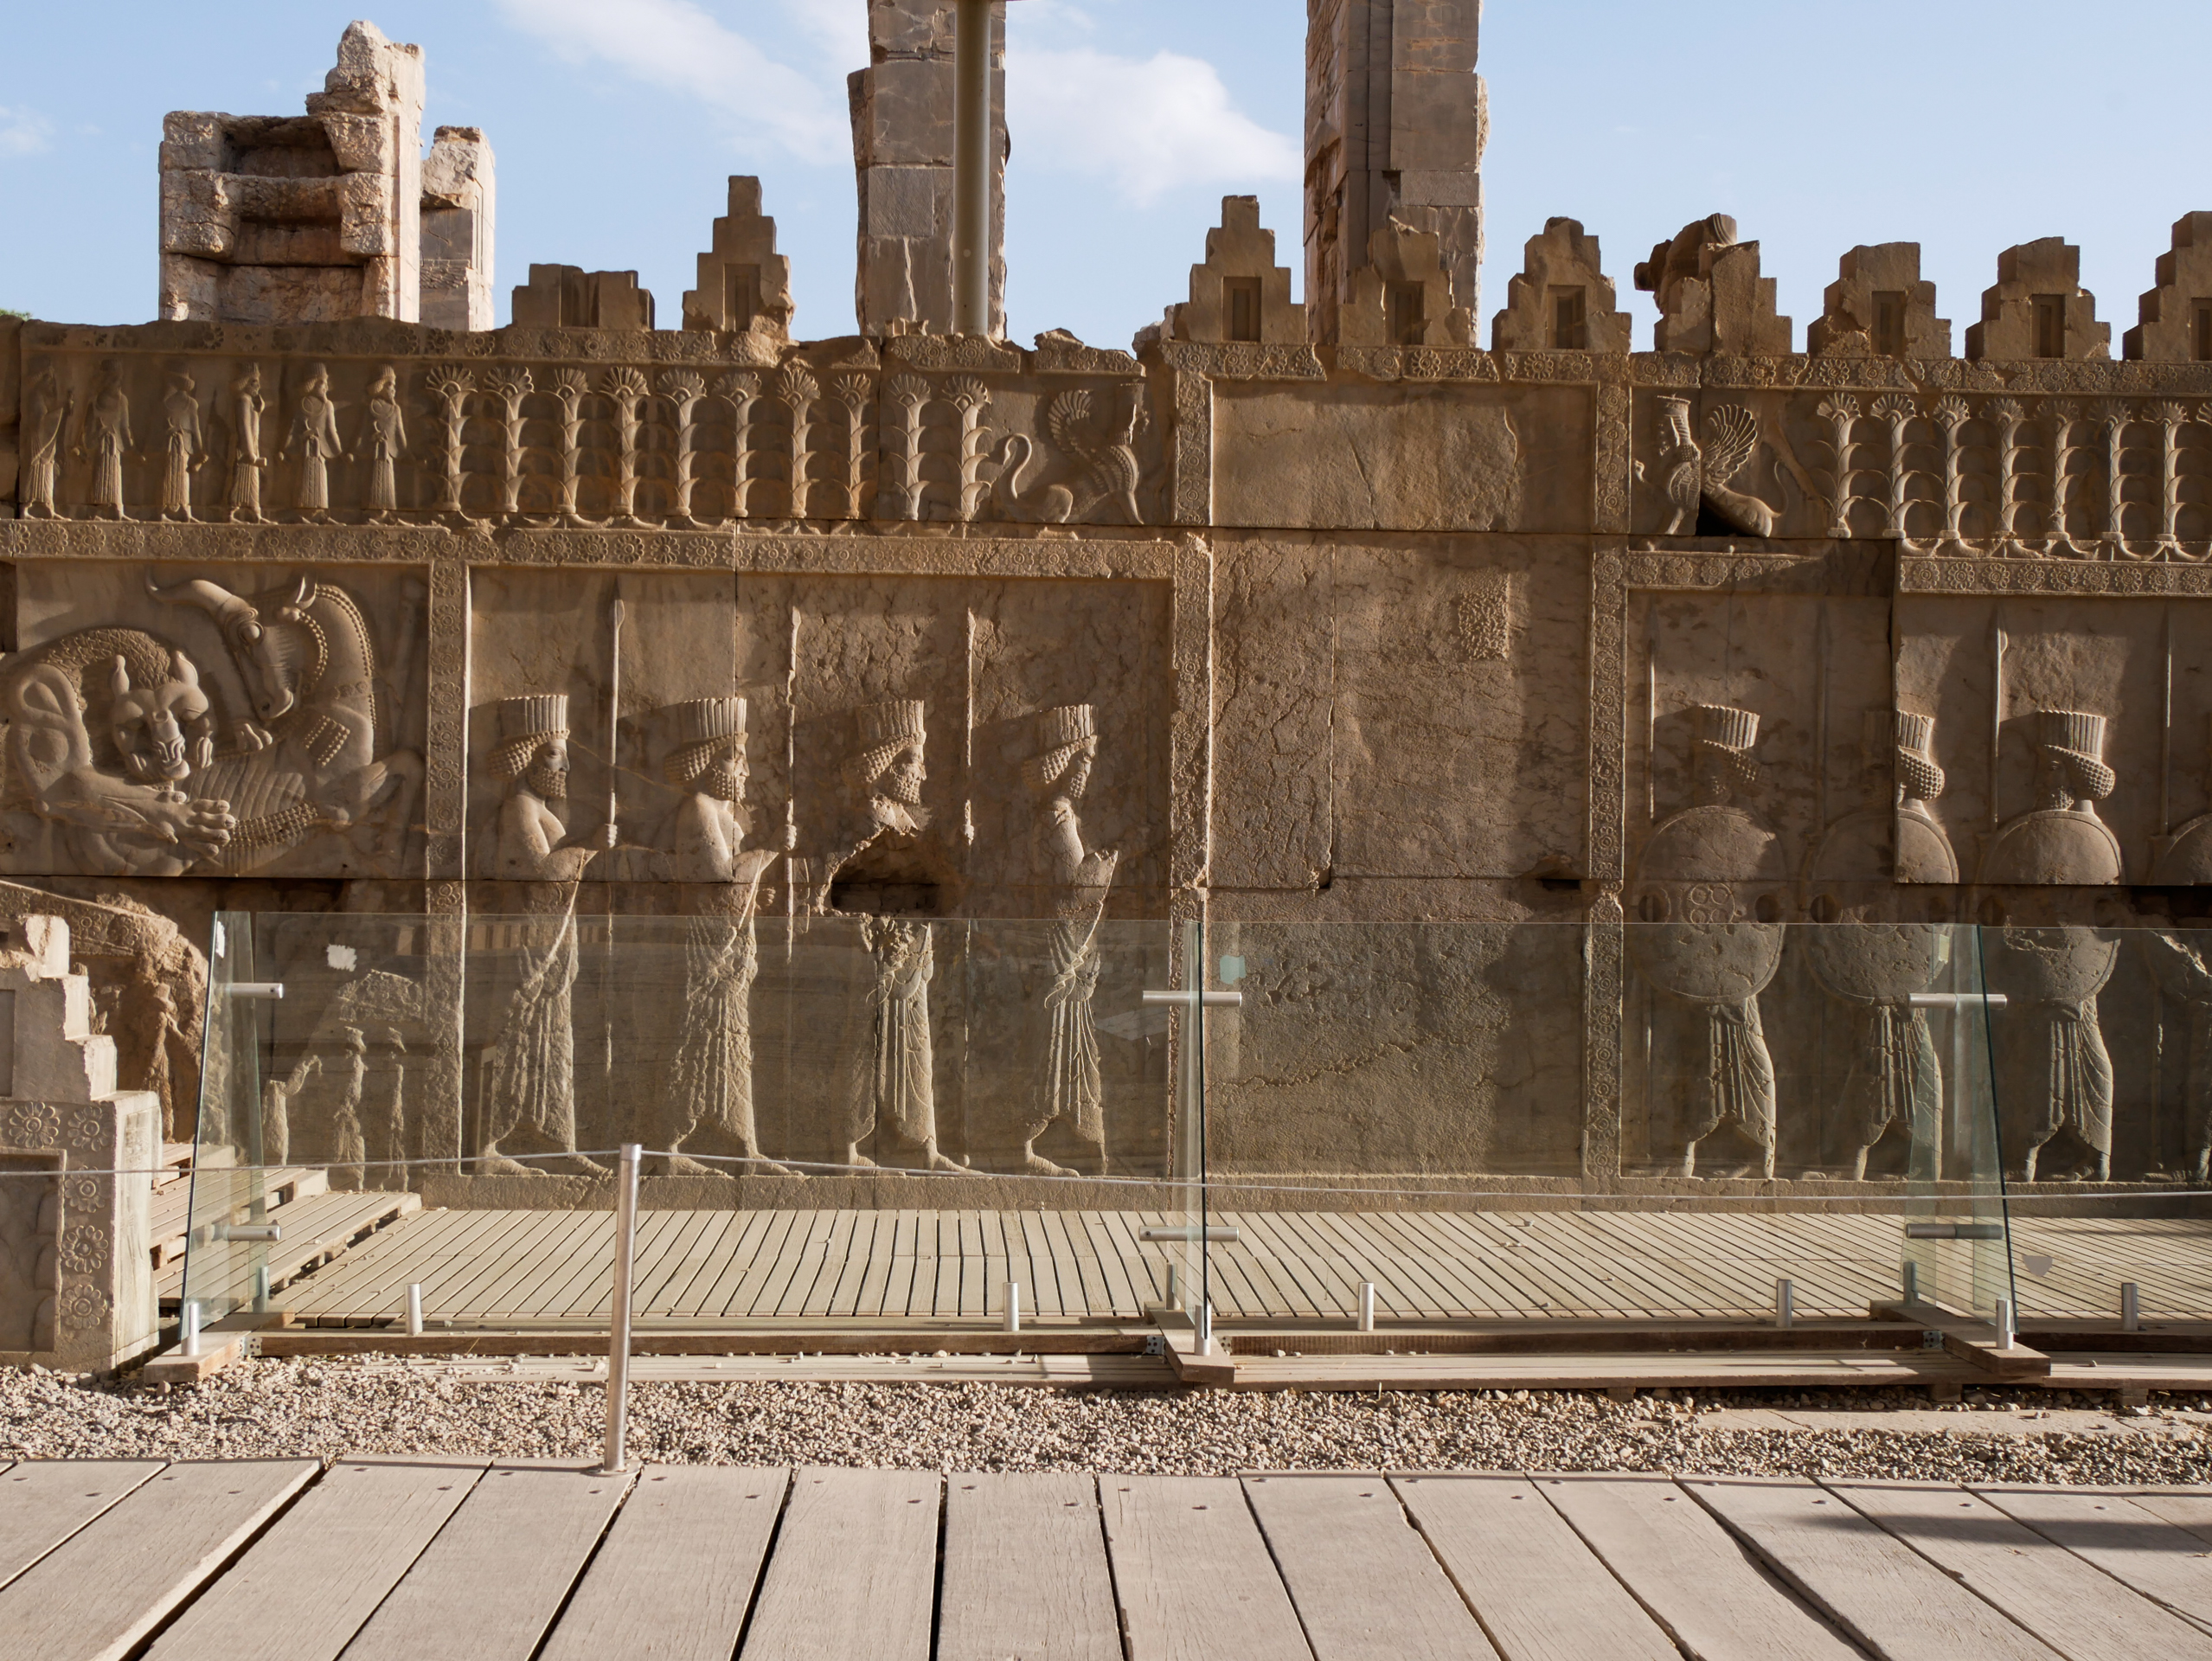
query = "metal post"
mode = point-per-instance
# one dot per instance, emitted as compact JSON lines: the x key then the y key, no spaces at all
{"x":1912,"y":1279}
{"x":1367,"y":1306}
{"x":2004,"y":1328}
{"x":618,"y":1344}
{"x":1785,"y":1302}
{"x":2131,"y":1307}
{"x":1013,"y":1311}
{"x":187,"y":1335}
{"x":414,"y":1309}
{"x":972,"y":168}
{"x":260,"y":1287}
{"x":1202,"y":1326}
{"x":1174,"y":1285}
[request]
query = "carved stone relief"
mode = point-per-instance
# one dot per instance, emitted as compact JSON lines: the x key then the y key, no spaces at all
{"x":1700,"y":873}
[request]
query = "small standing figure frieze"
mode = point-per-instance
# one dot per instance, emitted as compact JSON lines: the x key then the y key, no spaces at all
{"x":244,"y":405}
{"x":106,"y":437}
{"x":183,"y":444}
{"x":315,"y":435}
{"x":1074,"y":882}
{"x":384,"y":440}
{"x":46,"y":410}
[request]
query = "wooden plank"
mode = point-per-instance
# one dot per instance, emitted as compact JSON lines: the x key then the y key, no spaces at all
{"x":1193,"y":1573}
{"x":855,"y":1569}
{"x":120,"y":1576}
{"x":43,"y":1501}
{"x":2190,"y":1511}
{"x":2163,"y":1561}
{"x":676,"y":1572}
{"x":1689,"y":1573}
{"x":1339,"y":1542}
{"x":307,"y":1585}
{"x":490,"y":1585}
{"x":1025,"y":1571}
{"x":1541,"y":1595}
{"x":2079,"y":1611}
{"x":1892,"y":1600}
{"x":373,"y":1278}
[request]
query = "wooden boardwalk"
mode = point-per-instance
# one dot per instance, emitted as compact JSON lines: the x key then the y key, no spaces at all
{"x":284,"y":1561}
{"x":495,"y":1266}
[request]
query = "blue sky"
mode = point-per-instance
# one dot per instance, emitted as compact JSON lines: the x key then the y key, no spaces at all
{"x":1966,"y":124}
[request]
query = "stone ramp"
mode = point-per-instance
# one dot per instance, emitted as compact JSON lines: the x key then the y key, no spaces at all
{"x":426,"y":1557}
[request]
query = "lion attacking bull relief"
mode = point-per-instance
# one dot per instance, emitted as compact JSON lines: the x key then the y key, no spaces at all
{"x":123,"y":761}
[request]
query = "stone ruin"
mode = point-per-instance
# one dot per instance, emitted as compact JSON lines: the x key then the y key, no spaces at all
{"x":77,"y":1157}
{"x":323,"y":595}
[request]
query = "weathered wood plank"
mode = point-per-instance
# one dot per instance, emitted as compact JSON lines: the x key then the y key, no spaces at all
{"x":120,"y":1576}
{"x":676,"y":1574}
{"x":43,"y":1501}
{"x":308,"y":1585}
{"x":1339,"y":1543}
{"x":488,"y":1588}
{"x":2163,"y":1561}
{"x":855,"y":1569}
{"x":1879,"y":1590}
{"x":1540,"y":1593}
{"x":1025,"y":1571}
{"x":1193,"y":1574}
{"x":2079,"y":1611}
{"x":1689,"y":1573}
{"x":2190,"y":1511}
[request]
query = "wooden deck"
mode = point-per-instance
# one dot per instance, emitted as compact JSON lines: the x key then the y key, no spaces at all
{"x":282,"y":1561}
{"x":508,"y":1267}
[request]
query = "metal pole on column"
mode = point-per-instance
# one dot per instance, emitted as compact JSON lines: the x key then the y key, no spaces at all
{"x":618,"y":1344}
{"x":972,"y":168}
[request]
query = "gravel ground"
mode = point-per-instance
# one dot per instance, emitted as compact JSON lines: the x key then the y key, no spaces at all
{"x":328,"y":1408}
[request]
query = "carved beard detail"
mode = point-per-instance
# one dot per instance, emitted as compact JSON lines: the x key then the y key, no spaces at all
{"x":725,"y":781}
{"x":1077,"y":779}
{"x":546,"y":781}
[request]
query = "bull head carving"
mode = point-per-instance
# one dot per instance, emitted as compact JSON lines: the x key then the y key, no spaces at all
{"x":267,"y":653}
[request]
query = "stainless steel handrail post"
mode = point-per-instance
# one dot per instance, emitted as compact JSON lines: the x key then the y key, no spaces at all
{"x":618,"y":1345}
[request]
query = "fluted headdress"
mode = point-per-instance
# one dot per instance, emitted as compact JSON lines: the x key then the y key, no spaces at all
{"x":700,"y":733}
{"x":881,"y":731}
{"x":2077,"y":738}
{"x":1056,"y":735}
{"x":1918,"y":778}
{"x":526,"y":725}
{"x":1722,"y":758}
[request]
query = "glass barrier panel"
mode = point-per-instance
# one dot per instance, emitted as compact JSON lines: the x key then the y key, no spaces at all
{"x":1647,"y":1121}
{"x":843,"y":1117}
{"x":227,"y":1247}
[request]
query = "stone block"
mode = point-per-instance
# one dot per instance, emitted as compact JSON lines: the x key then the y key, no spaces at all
{"x":192,"y":141}
{"x":1561,"y":300}
{"x":2174,"y":319}
{"x":1878,"y":304}
{"x":336,"y":188}
{"x":2038,"y":308}
{"x":1403,"y":295}
{"x":909,"y":201}
{"x":1239,"y":292}
{"x":76,"y":1275}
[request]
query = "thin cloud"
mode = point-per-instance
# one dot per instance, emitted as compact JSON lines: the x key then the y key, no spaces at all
{"x":1147,"y":124}
{"x":23,"y":133}
{"x":677,"y":45}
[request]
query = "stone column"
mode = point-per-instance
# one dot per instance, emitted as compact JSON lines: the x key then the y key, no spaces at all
{"x":1395,"y":120}
{"x":902,"y":150}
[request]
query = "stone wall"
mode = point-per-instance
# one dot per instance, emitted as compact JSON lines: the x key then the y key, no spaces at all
{"x":1286,"y":617}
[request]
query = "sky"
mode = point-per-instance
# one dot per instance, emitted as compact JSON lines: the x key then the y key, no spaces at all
{"x":1965,"y":125}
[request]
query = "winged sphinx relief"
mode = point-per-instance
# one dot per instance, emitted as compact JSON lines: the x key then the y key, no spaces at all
{"x":1695,"y":475}
{"x":120,"y":759}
